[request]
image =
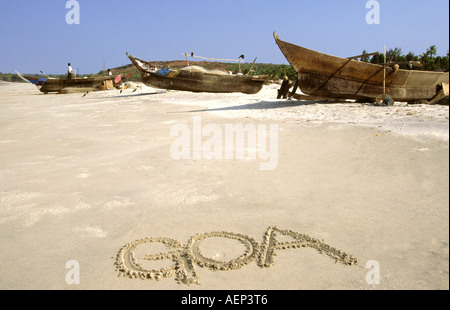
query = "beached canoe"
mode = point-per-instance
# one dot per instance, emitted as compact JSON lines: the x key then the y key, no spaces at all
{"x":322,"y":75}
{"x":48,"y":85}
{"x":197,"y":79}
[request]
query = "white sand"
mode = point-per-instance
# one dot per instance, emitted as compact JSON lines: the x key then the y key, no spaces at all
{"x":80,"y":178}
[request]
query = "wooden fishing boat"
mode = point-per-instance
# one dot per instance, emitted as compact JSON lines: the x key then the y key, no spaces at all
{"x":325,"y":76}
{"x":49,"y":85}
{"x":197,"y":79}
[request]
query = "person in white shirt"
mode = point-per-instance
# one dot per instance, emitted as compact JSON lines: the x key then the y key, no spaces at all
{"x":69,"y":72}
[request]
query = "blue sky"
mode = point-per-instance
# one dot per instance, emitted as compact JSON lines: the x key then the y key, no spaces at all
{"x":35,"y":35}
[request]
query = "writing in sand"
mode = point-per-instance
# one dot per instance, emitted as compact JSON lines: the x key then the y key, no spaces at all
{"x":133,"y":257}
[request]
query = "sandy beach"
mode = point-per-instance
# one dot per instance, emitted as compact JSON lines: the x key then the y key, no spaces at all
{"x":92,"y":196}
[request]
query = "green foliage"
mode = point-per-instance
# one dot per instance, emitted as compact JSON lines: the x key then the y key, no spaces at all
{"x":429,"y":60}
{"x":274,"y":71}
{"x":377,"y":59}
{"x":9,"y":77}
{"x":365,"y":59}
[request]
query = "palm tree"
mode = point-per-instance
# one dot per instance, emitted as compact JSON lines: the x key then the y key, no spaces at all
{"x":429,"y":63}
{"x":410,"y":56}
{"x":432,"y":51}
{"x":365,"y":58}
{"x":394,"y":54}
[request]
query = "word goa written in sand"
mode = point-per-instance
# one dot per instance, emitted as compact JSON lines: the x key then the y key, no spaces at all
{"x":73,"y":16}
{"x":137,"y":259}
{"x":219,"y":146}
{"x":373,"y":15}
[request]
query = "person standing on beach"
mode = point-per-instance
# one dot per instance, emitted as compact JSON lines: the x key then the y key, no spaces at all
{"x":284,"y":90}
{"x":69,"y":71}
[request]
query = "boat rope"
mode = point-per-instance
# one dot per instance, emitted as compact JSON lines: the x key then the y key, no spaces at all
{"x":238,"y":60}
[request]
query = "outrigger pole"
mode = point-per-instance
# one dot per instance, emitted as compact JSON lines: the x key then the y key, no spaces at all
{"x":364,"y":55}
{"x":192,"y":55}
{"x":187,"y":60}
{"x":384,"y":72}
{"x":238,"y":60}
{"x":45,"y":74}
{"x":248,"y":73}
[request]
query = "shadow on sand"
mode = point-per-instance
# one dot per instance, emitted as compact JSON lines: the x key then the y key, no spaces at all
{"x":130,"y":95}
{"x":264,"y":105}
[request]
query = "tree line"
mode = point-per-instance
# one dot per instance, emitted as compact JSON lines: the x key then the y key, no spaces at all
{"x":10,"y":77}
{"x":427,"y":61}
{"x":14,"y":78}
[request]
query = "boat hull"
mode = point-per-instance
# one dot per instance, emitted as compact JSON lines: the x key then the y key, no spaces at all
{"x":71,"y":85}
{"x":328,"y":76}
{"x":209,"y":83}
{"x":194,"y":81}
